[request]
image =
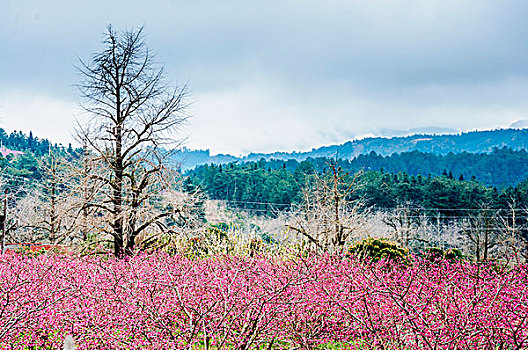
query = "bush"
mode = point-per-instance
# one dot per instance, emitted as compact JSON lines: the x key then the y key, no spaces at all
{"x":435,"y":253}
{"x":376,"y":249}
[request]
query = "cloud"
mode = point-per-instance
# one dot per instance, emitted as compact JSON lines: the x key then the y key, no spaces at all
{"x":46,"y":117}
{"x":283,"y":75}
{"x":266,"y":117}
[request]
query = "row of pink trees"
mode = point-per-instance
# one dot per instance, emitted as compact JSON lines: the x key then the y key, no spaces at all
{"x":171,"y":302}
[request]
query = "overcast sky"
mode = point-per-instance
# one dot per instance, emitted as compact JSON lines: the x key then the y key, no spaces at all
{"x":281,"y":75}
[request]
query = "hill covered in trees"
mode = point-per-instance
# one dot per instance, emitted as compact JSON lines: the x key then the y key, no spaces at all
{"x":275,"y":185}
{"x":499,"y":168}
{"x":19,"y":141}
{"x":481,"y":154}
{"x":27,"y":167}
{"x":471,"y":142}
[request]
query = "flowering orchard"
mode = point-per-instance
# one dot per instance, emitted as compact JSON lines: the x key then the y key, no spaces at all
{"x":172,"y":302}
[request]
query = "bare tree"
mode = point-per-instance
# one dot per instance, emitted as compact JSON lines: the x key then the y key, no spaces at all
{"x":134,"y":112}
{"x":55,"y":204}
{"x":405,"y":221}
{"x":47,"y":210}
{"x":482,"y":233}
{"x":512,"y":222}
{"x":328,"y":217}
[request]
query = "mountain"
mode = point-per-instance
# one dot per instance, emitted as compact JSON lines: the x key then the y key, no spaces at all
{"x":429,"y":130}
{"x":188,"y":158}
{"x":520,"y":124}
{"x":471,"y":142}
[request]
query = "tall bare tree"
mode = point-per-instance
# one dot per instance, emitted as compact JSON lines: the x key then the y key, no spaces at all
{"x":513,"y":224}
{"x":328,"y":219}
{"x":483,"y":233}
{"x":133,"y":112}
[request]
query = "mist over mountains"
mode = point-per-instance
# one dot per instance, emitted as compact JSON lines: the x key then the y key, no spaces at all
{"x":435,"y":143}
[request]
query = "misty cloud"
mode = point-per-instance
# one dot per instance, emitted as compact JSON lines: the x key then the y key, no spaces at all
{"x":285,"y":75}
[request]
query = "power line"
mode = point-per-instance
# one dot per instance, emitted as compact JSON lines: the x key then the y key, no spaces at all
{"x":273,"y":206}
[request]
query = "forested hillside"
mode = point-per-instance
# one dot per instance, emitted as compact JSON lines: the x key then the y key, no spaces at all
{"x":26,"y":169}
{"x":500,"y":168}
{"x":471,"y":142}
{"x":18,"y":141}
{"x":270,"y":186}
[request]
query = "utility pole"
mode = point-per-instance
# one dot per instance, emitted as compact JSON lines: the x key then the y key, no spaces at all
{"x":53,"y":199}
{"x":85,"y":194}
{"x":3,"y":221}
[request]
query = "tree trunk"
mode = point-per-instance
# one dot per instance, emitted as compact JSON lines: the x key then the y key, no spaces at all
{"x":118,"y":172}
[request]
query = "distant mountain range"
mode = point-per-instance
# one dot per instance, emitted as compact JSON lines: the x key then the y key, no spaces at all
{"x":473,"y":142}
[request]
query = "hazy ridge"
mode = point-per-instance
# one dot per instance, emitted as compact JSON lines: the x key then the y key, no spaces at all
{"x":472,"y":142}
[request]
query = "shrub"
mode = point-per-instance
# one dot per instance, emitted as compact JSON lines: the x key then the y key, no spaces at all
{"x":376,"y":249}
{"x":435,"y":253}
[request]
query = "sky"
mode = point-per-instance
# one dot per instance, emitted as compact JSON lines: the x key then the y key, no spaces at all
{"x":281,"y":75}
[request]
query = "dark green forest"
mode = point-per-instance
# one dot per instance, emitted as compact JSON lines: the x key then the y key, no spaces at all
{"x":19,"y":141}
{"x":449,"y":183}
{"x":25,"y":169}
{"x":267,"y":186}
{"x":500,"y":168}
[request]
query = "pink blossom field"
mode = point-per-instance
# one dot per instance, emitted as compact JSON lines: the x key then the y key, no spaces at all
{"x":226,"y":302}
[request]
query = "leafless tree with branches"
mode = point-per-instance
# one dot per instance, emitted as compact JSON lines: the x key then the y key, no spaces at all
{"x":482,"y":232}
{"x":133,"y":114}
{"x":328,"y":218}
